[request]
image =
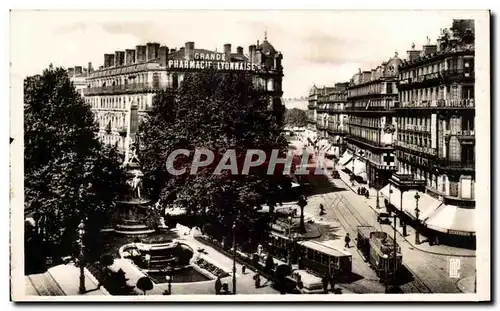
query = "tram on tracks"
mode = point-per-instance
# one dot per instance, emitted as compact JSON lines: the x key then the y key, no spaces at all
{"x":380,"y":250}
{"x":316,"y":257}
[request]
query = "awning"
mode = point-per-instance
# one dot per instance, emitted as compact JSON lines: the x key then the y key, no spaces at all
{"x":359,"y":167}
{"x":453,"y":220}
{"x":426,"y":203}
{"x":346,"y":157}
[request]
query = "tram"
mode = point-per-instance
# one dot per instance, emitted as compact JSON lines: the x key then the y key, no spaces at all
{"x":380,"y":250}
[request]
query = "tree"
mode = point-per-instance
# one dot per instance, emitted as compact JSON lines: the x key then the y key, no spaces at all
{"x":296,"y":117}
{"x":69,"y":176}
{"x":144,"y":284}
{"x":219,"y":112}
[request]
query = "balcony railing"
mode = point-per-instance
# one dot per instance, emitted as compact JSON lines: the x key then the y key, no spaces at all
{"x":337,"y":129}
{"x":369,"y":142}
{"x":132,"y":87}
{"x":439,"y":103}
{"x":455,"y":165}
{"x":320,"y":126}
{"x":427,"y":150}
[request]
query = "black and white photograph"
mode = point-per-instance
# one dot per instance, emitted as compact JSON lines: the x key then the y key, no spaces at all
{"x":264,"y":155}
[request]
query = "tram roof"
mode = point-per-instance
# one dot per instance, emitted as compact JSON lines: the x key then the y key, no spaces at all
{"x":322,"y":248}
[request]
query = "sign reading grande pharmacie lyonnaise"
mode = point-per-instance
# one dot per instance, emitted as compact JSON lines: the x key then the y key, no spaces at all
{"x":211,"y":60}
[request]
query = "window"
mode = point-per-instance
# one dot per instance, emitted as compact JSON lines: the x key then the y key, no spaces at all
{"x":156,"y":80}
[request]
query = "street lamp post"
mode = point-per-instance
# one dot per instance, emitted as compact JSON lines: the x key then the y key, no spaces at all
{"x":289,"y":257}
{"x":234,"y":258}
{"x":81,"y":233}
{"x":401,"y":221}
{"x":352,"y":172}
{"x":390,"y":208}
{"x":169,"y":278}
{"x":417,"y":213}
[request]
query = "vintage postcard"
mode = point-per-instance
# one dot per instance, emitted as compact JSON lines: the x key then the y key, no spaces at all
{"x":250,"y":155}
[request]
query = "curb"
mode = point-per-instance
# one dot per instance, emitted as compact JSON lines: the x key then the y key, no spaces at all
{"x":411,"y":244}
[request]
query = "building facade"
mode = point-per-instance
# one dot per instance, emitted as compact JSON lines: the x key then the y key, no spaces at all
{"x":436,"y":140}
{"x":314,"y":94}
{"x":129,"y":79}
{"x":371,"y":98}
{"x":436,"y":123}
{"x":78,"y":75}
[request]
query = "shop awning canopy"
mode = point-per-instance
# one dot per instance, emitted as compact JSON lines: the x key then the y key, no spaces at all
{"x":346,"y":157}
{"x":359,"y":168}
{"x":452,"y":219}
{"x":426,"y":203}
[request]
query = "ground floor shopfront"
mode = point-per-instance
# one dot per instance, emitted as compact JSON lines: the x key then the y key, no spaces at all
{"x":365,"y":171}
{"x":440,"y":223}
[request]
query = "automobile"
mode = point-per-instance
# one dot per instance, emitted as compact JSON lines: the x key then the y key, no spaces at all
{"x":384,"y":218}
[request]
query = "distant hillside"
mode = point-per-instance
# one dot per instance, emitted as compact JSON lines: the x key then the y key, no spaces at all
{"x":299,"y":102}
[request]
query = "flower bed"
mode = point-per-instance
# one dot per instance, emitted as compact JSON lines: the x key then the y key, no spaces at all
{"x":212,"y":269}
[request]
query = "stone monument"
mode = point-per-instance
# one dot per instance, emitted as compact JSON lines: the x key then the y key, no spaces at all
{"x":132,"y":206}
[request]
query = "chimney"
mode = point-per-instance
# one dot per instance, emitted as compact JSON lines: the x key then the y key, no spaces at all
{"x":251,"y":51}
{"x":163,"y":54}
{"x":152,"y":50}
{"x":258,"y":57}
{"x":140,"y":53}
{"x":119,"y":58}
{"x":413,"y":54}
{"x":90,"y":69}
{"x":71,"y":72}
{"x":239,"y":50}
{"x":429,"y":49}
{"x":366,"y":76}
{"x":129,"y":56}
{"x":78,"y":70}
{"x":109,"y":60}
{"x":189,"y":50}
{"x":227,"y":51}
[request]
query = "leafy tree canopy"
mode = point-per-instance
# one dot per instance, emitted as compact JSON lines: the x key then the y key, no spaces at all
{"x":295,"y":117}
{"x":69,"y":176}
{"x":216,"y":111}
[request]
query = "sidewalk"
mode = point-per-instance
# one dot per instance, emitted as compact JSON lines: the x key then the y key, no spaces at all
{"x":62,"y":280}
{"x":440,"y":250}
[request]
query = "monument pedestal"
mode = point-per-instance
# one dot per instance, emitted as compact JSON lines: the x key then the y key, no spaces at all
{"x":132,"y":208}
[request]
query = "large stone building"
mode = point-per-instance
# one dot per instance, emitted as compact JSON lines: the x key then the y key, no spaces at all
{"x":435,"y":127}
{"x":331,"y":119}
{"x":371,"y":97}
{"x":78,"y":75}
{"x":129,"y":79}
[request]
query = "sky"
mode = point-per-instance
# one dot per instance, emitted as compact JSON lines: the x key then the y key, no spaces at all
{"x":319,"y":47}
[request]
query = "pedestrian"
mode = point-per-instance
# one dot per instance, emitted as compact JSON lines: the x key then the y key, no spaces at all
{"x":332,"y":283}
{"x":257,"y":280}
{"x":347,"y":239}
{"x":243,"y":269}
{"x":218,"y":285}
{"x":324,"y":280}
